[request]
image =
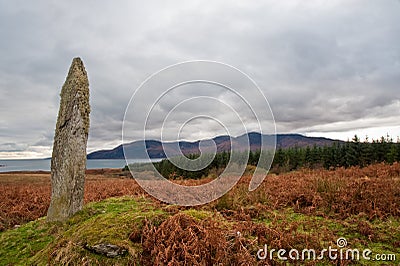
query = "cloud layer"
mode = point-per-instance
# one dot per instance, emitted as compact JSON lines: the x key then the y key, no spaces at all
{"x":324,"y":66}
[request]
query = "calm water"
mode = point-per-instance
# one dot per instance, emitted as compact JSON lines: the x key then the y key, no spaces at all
{"x":44,"y":164}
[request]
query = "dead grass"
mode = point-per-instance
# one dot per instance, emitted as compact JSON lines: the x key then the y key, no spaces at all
{"x":373,"y":191}
{"x":302,"y":209}
{"x":25,"y":196}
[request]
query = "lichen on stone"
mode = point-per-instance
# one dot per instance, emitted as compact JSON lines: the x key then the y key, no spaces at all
{"x":68,"y":163}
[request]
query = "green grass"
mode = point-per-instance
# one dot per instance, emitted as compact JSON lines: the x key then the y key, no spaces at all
{"x":18,"y":245}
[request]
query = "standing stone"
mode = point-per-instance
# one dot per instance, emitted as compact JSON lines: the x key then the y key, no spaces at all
{"x":68,"y":162}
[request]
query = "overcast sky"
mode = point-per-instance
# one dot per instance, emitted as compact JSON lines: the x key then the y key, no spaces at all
{"x":327,"y":68}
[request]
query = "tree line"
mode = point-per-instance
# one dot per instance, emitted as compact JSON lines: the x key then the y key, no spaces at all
{"x":340,"y":154}
{"x":347,"y":154}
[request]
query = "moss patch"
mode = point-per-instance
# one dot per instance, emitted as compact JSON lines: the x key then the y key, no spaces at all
{"x":110,"y":221}
{"x":20,"y":244}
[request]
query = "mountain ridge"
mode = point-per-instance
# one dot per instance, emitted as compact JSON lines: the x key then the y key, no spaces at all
{"x":157,"y":149}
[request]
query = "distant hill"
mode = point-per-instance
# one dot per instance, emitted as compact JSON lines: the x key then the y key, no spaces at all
{"x":223,"y":143}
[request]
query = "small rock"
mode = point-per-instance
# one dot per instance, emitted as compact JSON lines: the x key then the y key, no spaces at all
{"x":107,"y":249}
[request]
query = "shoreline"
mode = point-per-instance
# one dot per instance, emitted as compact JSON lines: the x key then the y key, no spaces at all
{"x":45,"y":165}
{"x":88,"y":171}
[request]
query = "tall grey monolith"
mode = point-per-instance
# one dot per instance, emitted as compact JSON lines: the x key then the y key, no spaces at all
{"x":68,"y":162}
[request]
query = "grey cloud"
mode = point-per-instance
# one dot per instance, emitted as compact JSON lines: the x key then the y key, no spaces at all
{"x":12,"y":147}
{"x":318,"y":63}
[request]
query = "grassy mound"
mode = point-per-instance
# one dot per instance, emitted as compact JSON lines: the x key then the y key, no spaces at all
{"x":108,"y":221}
{"x":298,"y":210}
{"x":156,"y":234}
